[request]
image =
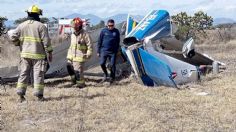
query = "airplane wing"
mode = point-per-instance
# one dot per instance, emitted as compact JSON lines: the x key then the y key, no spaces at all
{"x":197,"y":60}
{"x":172,"y":44}
{"x":58,"y":65}
{"x":9,"y":74}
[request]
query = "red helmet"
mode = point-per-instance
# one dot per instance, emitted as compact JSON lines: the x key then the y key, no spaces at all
{"x":76,"y":22}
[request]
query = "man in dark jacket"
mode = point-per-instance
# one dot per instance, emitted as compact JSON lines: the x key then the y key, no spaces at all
{"x":107,"y":48}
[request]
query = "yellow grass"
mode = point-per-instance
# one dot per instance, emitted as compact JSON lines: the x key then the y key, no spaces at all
{"x":209,"y":105}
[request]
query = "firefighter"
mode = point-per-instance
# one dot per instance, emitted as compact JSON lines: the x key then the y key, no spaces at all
{"x":34,"y":42}
{"x":79,"y":51}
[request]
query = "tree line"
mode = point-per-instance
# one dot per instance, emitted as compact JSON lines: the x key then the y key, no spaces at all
{"x":2,"y":25}
{"x":190,"y":26}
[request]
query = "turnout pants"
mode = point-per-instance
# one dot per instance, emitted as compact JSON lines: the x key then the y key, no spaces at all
{"x":38,"y":68}
{"x":76,"y":71}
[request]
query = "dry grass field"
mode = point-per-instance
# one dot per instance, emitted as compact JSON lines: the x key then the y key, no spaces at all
{"x":209,"y":105}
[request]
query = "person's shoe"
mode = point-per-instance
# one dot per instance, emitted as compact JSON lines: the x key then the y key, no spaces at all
{"x":81,"y":85}
{"x":73,"y":80}
{"x":104,"y":79}
{"x":112,"y":81}
{"x":41,"y":98}
{"x":22,"y":98}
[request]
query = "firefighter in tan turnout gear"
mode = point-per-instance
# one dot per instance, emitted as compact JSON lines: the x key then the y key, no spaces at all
{"x":80,"y":50}
{"x":33,"y":39}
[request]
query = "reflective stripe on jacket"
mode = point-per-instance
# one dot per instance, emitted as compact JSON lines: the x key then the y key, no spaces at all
{"x":34,"y":39}
{"x":80,"y":46}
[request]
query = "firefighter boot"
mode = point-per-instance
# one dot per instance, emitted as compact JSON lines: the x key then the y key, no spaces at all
{"x":80,"y":83}
{"x":73,"y":79}
{"x":41,"y":98}
{"x":22,"y":98}
{"x":21,"y":93}
{"x":71,"y":72}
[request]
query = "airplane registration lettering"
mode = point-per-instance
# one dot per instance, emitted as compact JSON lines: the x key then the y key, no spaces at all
{"x":147,"y":22}
{"x":184,"y":72}
{"x":152,"y":17}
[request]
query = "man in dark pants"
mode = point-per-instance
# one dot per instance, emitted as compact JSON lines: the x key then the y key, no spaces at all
{"x":107,"y":48}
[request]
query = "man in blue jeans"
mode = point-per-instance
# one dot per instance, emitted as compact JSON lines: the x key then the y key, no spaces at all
{"x":107,"y":48}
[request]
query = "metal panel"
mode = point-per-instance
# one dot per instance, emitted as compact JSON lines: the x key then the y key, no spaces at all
{"x":156,"y":69}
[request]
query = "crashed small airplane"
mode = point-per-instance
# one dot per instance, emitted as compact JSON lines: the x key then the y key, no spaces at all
{"x":148,"y":46}
{"x":153,"y":65}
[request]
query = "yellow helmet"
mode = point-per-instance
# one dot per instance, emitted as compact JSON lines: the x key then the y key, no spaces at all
{"x":35,"y":9}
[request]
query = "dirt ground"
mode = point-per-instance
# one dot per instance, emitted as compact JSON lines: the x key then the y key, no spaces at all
{"x":209,"y":105}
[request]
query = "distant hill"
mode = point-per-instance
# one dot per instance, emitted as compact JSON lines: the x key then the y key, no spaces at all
{"x":123,"y":17}
{"x":95,"y":19}
{"x":117,"y":18}
{"x":223,"y":21}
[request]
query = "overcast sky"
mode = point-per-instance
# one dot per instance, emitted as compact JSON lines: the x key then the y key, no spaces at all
{"x":13,"y":9}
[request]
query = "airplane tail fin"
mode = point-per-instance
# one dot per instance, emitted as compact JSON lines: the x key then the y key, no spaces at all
{"x":131,"y":24}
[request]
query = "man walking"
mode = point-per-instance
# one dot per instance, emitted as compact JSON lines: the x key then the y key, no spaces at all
{"x":80,"y":51}
{"x":33,"y":39}
{"x":107,"y":48}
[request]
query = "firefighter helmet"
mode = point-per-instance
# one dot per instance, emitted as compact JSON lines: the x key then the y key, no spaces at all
{"x":76,"y":22}
{"x":35,"y":9}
